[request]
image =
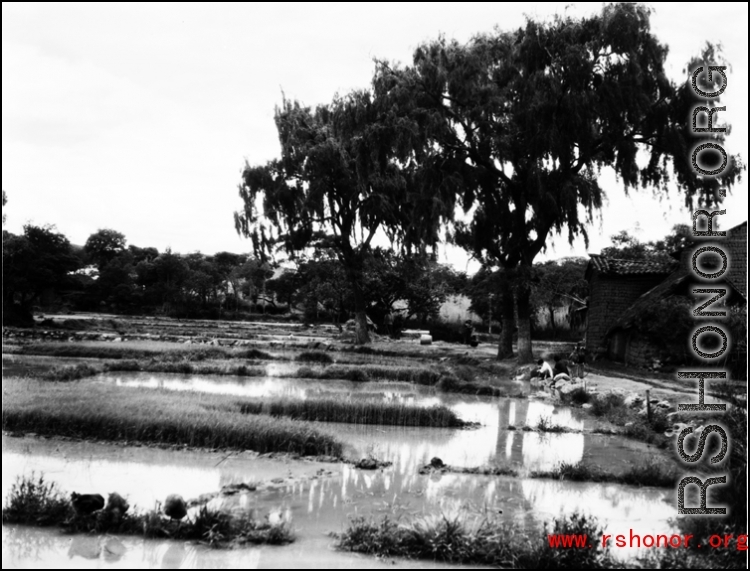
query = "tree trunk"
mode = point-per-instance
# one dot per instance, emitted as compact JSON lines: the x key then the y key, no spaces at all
{"x":505,"y":347}
{"x":360,"y":317}
{"x":523,"y":307}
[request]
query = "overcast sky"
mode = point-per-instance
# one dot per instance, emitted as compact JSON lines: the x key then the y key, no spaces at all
{"x":139,"y":117}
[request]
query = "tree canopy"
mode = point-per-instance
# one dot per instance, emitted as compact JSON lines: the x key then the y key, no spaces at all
{"x":528,"y":118}
{"x":347,"y":170}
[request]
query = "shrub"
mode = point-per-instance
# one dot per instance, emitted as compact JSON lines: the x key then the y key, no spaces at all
{"x":35,"y":502}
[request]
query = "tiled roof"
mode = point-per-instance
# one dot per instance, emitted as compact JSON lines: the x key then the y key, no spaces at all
{"x":618,"y":267}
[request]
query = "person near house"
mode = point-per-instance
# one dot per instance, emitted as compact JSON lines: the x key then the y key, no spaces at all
{"x":544,"y":371}
{"x":468,"y":332}
{"x":561,"y":366}
{"x":578,"y":361}
{"x":388,"y":323}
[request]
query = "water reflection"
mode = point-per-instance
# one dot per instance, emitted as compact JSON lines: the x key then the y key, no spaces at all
{"x":316,"y":505}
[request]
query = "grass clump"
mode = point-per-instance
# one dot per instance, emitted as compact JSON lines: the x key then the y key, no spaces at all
{"x":253,"y":354}
{"x":650,"y":474}
{"x":611,"y":405}
{"x":461,"y":539}
{"x":186,"y":368}
{"x":166,"y":352}
{"x":72,"y":372}
{"x":578,"y":397}
{"x":36,"y":502}
{"x":315,"y":357}
{"x":357,"y":412}
{"x":545,"y":424}
{"x":125,"y":414}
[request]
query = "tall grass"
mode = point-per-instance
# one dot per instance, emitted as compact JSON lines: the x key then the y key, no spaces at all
{"x":356,"y":412}
{"x":187,"y":368}
{"x":72,"y":372}
{"x":315,"y":356}
{"x":461,"y":539}
{"x":154,"y":416}
{"x":364,"y":373}
{"x":36,"y":502}
{"x":647,"y":474}
{"x":142,"y":350}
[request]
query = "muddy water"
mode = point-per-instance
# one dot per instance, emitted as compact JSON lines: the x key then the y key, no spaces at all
{"x":410,"y":448}
{"x":33,"y":548}
{"x":319,"y":498}
{"x":315,"y":498}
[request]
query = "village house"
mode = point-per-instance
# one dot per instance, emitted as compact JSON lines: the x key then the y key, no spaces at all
{"x":621,"y":290}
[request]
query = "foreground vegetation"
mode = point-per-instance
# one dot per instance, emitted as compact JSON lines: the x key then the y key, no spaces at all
{"x":461,"y":539}
{"x":35,"y":501}
{"x":125,"y":414}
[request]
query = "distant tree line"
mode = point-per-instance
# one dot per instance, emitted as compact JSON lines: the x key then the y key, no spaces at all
{"x":43,"y":270}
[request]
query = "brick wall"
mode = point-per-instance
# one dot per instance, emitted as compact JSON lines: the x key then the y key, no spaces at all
{"x":609,"y":297}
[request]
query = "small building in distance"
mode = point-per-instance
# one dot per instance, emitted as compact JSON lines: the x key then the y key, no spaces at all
{"x":622,"y":291}
{"x":614,"y":286}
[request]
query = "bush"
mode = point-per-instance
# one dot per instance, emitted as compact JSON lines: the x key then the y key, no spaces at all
{"x":35,"y":502}
{"x":315,"y":357}
{"x":578,"y":396}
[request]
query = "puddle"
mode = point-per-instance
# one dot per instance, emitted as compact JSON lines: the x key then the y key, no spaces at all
{"x":34,"y":548}
{"x":315,"y":506}
{"x":318,"y":505}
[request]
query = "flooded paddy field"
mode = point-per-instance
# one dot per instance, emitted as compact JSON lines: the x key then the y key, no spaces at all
{"x":318,"y":497}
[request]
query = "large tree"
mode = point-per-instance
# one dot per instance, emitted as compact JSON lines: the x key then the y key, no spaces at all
{"x":39,"y":261}
{"x":346,"y":172}
{"x":103,"y":246}
{"x":527,"y":119}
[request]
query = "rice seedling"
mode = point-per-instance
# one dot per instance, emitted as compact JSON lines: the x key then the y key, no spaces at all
{"x":71,"y":372}
{"x":315,"y":356}
{"x":142,"y":350}
{"x":187,"y":368}
{"x":125,"y":414}
{"x":360,"y":411}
